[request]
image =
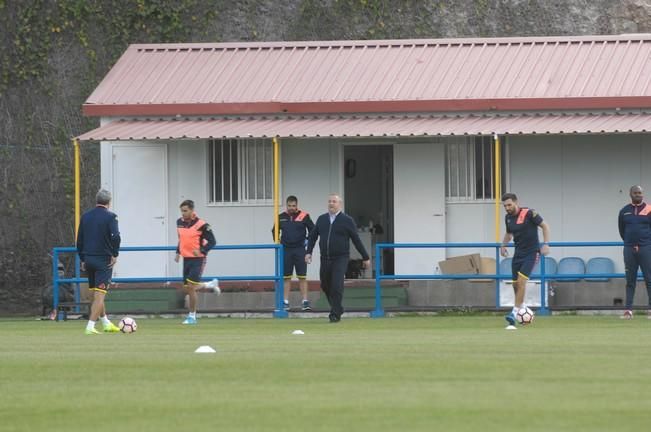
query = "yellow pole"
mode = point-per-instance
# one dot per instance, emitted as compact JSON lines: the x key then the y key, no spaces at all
{"x":498,"y":187}
{"x":276,"y":190}
{"x":75,"y":143}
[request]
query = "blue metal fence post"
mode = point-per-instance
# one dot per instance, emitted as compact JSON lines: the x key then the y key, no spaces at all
{"x":543,"y":281}
{"x":378,"y":312}
{"x":279,"y":311}
{"x":77,"y":287}
{"x":497,"y":277}
{"x":55,"y":280}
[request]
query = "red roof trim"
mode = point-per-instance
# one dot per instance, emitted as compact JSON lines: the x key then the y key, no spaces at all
{"x":589,"y":103}
{"x":371,"y":126}
{"x":390,"y":42}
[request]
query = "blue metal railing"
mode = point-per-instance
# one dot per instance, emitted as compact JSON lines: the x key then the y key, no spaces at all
{"x":277,"y":277}
{"x":542,"y":276}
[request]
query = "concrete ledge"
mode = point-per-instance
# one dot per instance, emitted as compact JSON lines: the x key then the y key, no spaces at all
{"x":247,"y":300}
{"x":453,"y":293}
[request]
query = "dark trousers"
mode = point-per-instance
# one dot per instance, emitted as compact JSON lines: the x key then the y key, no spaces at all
{"x":634,"y":258}
{"x":332,"y":273}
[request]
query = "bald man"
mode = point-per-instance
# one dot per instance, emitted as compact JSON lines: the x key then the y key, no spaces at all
{"x":335,"y":230}
{"x":635,"y":230}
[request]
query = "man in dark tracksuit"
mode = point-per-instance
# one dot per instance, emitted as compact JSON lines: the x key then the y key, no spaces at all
{"x":98,"y":244}
{"x":335,"y":230}
{"x":635,"y":229}
{"x":294,"y":226}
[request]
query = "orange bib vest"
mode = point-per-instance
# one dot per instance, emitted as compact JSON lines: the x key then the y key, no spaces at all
{"x":189,"y":239}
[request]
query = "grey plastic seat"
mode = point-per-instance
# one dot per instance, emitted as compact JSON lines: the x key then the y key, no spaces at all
{"x":570,"y":266}
{"x":599,"y":265}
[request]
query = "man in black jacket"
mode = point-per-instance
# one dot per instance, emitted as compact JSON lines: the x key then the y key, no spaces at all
{"x":634,"y":223}
{"x":98,"y":245}
{"x":335,"y":230}
{"x":294,"y":227}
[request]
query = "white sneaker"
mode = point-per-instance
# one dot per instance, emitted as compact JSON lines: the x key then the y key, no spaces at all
{"x":628,"y":315}
{"x":214,"y":286}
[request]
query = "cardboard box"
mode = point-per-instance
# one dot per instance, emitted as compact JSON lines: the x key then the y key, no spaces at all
{"x":463,"y":264}
{"x":487,"y":267}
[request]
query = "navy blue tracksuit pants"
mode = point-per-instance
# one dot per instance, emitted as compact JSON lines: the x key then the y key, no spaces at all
{"x":332,"y":274}
{"x":637,"y":257}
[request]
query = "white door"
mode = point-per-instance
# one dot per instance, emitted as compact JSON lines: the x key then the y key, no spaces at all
{"x":140,"y":201}
{"x":419,"y":205}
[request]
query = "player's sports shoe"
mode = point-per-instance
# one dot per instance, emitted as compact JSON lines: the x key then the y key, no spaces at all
{"x":190,"y":320}
{"x":628,"y":315}
{"x":286,"y":305}
{"x":214,"y":286}
{"x":510,"y":318}
{"x":92,"y":331}
{"x":306,"y":306}
{"x":111,"y":328}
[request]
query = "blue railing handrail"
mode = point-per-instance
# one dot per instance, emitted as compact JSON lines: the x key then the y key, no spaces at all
{"x":497,"y":277}
{"x":535,"y":276}
{"x":491,"y":245}
{"x":277,"y":277}
{"x":159,"y":248}
{"x":278,"y":260}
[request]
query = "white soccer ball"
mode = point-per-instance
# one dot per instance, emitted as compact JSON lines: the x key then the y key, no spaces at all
{"x":128,"y":325}
{"x":525,"y":316}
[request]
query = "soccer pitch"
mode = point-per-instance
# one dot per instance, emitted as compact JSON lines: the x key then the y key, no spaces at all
{"x":452,"y":373}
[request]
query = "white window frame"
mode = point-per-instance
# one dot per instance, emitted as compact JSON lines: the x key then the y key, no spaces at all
{"x":461,"y":180}
{"x":251,"y":178}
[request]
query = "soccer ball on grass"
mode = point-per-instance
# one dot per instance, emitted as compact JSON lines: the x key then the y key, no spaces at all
{"x":525,"y":316}
{"x":128,"y":325}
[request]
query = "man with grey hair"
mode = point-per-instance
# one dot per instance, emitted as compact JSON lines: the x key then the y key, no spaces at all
{"x":335,"y":230}
{"x":98,"y":245}
{"x":634,"y":225}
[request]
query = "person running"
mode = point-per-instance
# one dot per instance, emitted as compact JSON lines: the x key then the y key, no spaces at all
{"x":294,"y":227}
{"x":98,"y":245}
{"x":635,"y":229}
{"x":195,"y":241}
{"x":522,"y":226}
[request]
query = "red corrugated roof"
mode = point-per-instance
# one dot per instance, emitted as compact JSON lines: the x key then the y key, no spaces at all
{"x":537,"y":73}
{"x":371,"y":126}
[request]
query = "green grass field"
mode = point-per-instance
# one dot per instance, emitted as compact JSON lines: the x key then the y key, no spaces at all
{"x":441,"y":373}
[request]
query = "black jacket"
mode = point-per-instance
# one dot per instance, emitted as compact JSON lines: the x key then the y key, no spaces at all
{"x":635,"y":224}
{"x":98,"y":233}
{"x":334,"y":239}
{"x":294,"y":229}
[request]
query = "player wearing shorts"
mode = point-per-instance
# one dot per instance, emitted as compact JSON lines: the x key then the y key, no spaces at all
{"x":294,"y":227}
{"x":98,"y":244}
{"x":522,"y":226}
{"x":195,"y":241}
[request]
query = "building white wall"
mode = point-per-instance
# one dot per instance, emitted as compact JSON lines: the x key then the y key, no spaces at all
{"x":419,"y":214}
{"x":231,"y":224}
{"x":577,"y":183}
{"x":311,"y":170}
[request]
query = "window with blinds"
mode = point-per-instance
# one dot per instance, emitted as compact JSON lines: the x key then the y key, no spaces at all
{"x":240,"y":171}
{"x":470,"y":168}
